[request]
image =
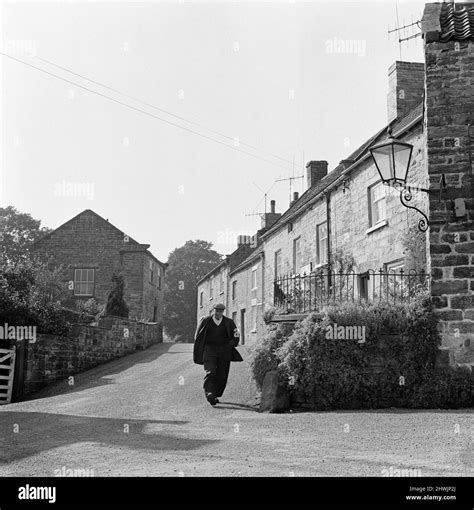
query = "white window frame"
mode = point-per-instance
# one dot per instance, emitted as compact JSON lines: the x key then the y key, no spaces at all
{"x":321,"y":254}
{"x":254,"y":278}
{"x":296,"y":267}
{"x":374,"y":204}
{"x":86,"y":282}
{"x":278,"y":254}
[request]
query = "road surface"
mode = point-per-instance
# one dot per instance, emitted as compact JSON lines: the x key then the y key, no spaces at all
{"x":145,"y":415}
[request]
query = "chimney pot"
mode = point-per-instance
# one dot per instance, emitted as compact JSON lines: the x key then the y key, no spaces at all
{"x":272,"y":206}
{"x":295,"y":196}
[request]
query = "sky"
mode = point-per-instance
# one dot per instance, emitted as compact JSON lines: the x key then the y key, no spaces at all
{"x":224,"y":99}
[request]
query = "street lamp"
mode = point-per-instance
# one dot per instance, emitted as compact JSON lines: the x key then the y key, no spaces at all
{"x":392,"y":160}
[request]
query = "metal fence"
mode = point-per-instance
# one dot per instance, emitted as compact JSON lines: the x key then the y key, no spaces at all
{"x":310,"y":292}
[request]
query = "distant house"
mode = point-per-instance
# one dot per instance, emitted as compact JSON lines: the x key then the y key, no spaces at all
{"x":91,"y":250}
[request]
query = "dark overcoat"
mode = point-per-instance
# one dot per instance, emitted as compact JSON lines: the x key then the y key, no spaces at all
{"x":200,"y":339}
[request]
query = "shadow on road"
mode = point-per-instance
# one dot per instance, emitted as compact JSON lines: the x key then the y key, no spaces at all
{"x":38,"y":432}
{"x":99,"y":375}
{"x":234,"y":405}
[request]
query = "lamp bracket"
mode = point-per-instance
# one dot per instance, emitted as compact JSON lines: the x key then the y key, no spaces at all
{"x":405,"y":197}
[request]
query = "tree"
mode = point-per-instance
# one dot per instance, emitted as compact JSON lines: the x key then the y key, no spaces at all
{"x":31,"y":295}
{"x":187,"y":265}
{"x":115,"y":302}
{"x":18,"y":231}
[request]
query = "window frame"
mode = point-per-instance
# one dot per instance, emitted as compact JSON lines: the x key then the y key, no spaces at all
{"x":318,"y":244}
{"x":278,"y":254}
{"x":372,"y":204}
{"x":86,"y":282}
{"x":295,"y":241}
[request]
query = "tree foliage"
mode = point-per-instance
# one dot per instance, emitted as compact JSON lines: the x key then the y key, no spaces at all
{"x":31,"y":295}
{"x":115,"y":302}
{"x":18,"y":231}
{"x":187,"y":265}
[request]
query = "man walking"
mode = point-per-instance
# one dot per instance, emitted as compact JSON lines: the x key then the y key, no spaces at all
{"x":214,"y":347}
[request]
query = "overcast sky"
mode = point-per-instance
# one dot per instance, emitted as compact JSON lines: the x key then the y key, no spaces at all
{"x":300,"y":81}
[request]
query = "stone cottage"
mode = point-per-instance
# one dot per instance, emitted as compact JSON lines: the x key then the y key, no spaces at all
{"x":348,"y":220}
{"x":90,"y":249}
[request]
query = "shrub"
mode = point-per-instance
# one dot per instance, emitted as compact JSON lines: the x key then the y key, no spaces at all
{"x":262,"y":359}
{"x":116,"y":303}
{"x":394,"y":366}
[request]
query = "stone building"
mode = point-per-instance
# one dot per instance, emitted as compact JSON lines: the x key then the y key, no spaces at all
{"x":348,"y":220}
{"x":90,"y":250}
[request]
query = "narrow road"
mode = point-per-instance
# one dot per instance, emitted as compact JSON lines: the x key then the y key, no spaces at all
{"x":145,"y":415}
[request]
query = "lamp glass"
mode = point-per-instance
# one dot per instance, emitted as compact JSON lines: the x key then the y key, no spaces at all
{"x":401,"y":154}
{"x":392,"y":160}
{"x":383,"y":157}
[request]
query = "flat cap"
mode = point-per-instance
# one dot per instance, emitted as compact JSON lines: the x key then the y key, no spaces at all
{"x":219,"y":306}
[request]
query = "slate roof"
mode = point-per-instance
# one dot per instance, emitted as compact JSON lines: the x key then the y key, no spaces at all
{"x":457,"y":22}
{"x":109,"y":225}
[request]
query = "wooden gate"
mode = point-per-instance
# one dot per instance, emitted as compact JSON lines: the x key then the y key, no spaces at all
{"x":7,"y":371}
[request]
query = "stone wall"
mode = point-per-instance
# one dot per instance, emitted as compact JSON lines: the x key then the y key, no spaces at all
{"x":52,"y":357}
{"x":449,"y":109}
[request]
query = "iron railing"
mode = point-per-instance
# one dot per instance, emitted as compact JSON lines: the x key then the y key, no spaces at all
{"x":311,"y":292}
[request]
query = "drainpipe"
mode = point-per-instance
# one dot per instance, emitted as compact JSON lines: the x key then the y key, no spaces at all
{"x":328,"y":221}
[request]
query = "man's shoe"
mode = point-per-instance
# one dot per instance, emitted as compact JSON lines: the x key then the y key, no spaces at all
{"x":216,"y":400}
{"x":212,"y":400}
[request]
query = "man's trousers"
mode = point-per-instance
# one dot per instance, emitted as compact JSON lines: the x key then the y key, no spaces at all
{"x":216,"y":368}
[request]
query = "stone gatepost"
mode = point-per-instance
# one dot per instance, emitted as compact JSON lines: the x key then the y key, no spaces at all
{"x":449,"y":109}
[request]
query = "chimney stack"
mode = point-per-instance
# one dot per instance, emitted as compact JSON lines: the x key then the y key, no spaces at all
{"x":315,"y":171}
{"x":270,"y":218}
{"x":406,"y":82}
{"x":242,"y":240}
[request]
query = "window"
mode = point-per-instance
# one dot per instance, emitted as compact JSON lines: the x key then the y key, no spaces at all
{"x":376,"y":204}
{"x":254,"y":278}
{"x":84,"y":282}
{"x":151,"y":271}
{"x":159,"y":277}
{"x":211,"y":289}
{"x":201,"y":296}
{"x":234,"y":289}
{"x":221,"y":283}
{"x":234,"y":317}
{"x":296,"y":254}
{"x":322,"y":243}
{"x":278,"y":264}
{"x":254,"y":318}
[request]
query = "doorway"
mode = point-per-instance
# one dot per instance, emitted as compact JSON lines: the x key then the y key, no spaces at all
{"x":242,"y":326}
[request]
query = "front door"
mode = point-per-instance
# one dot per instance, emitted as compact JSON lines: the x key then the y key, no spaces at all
{"x":242,"y":326}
